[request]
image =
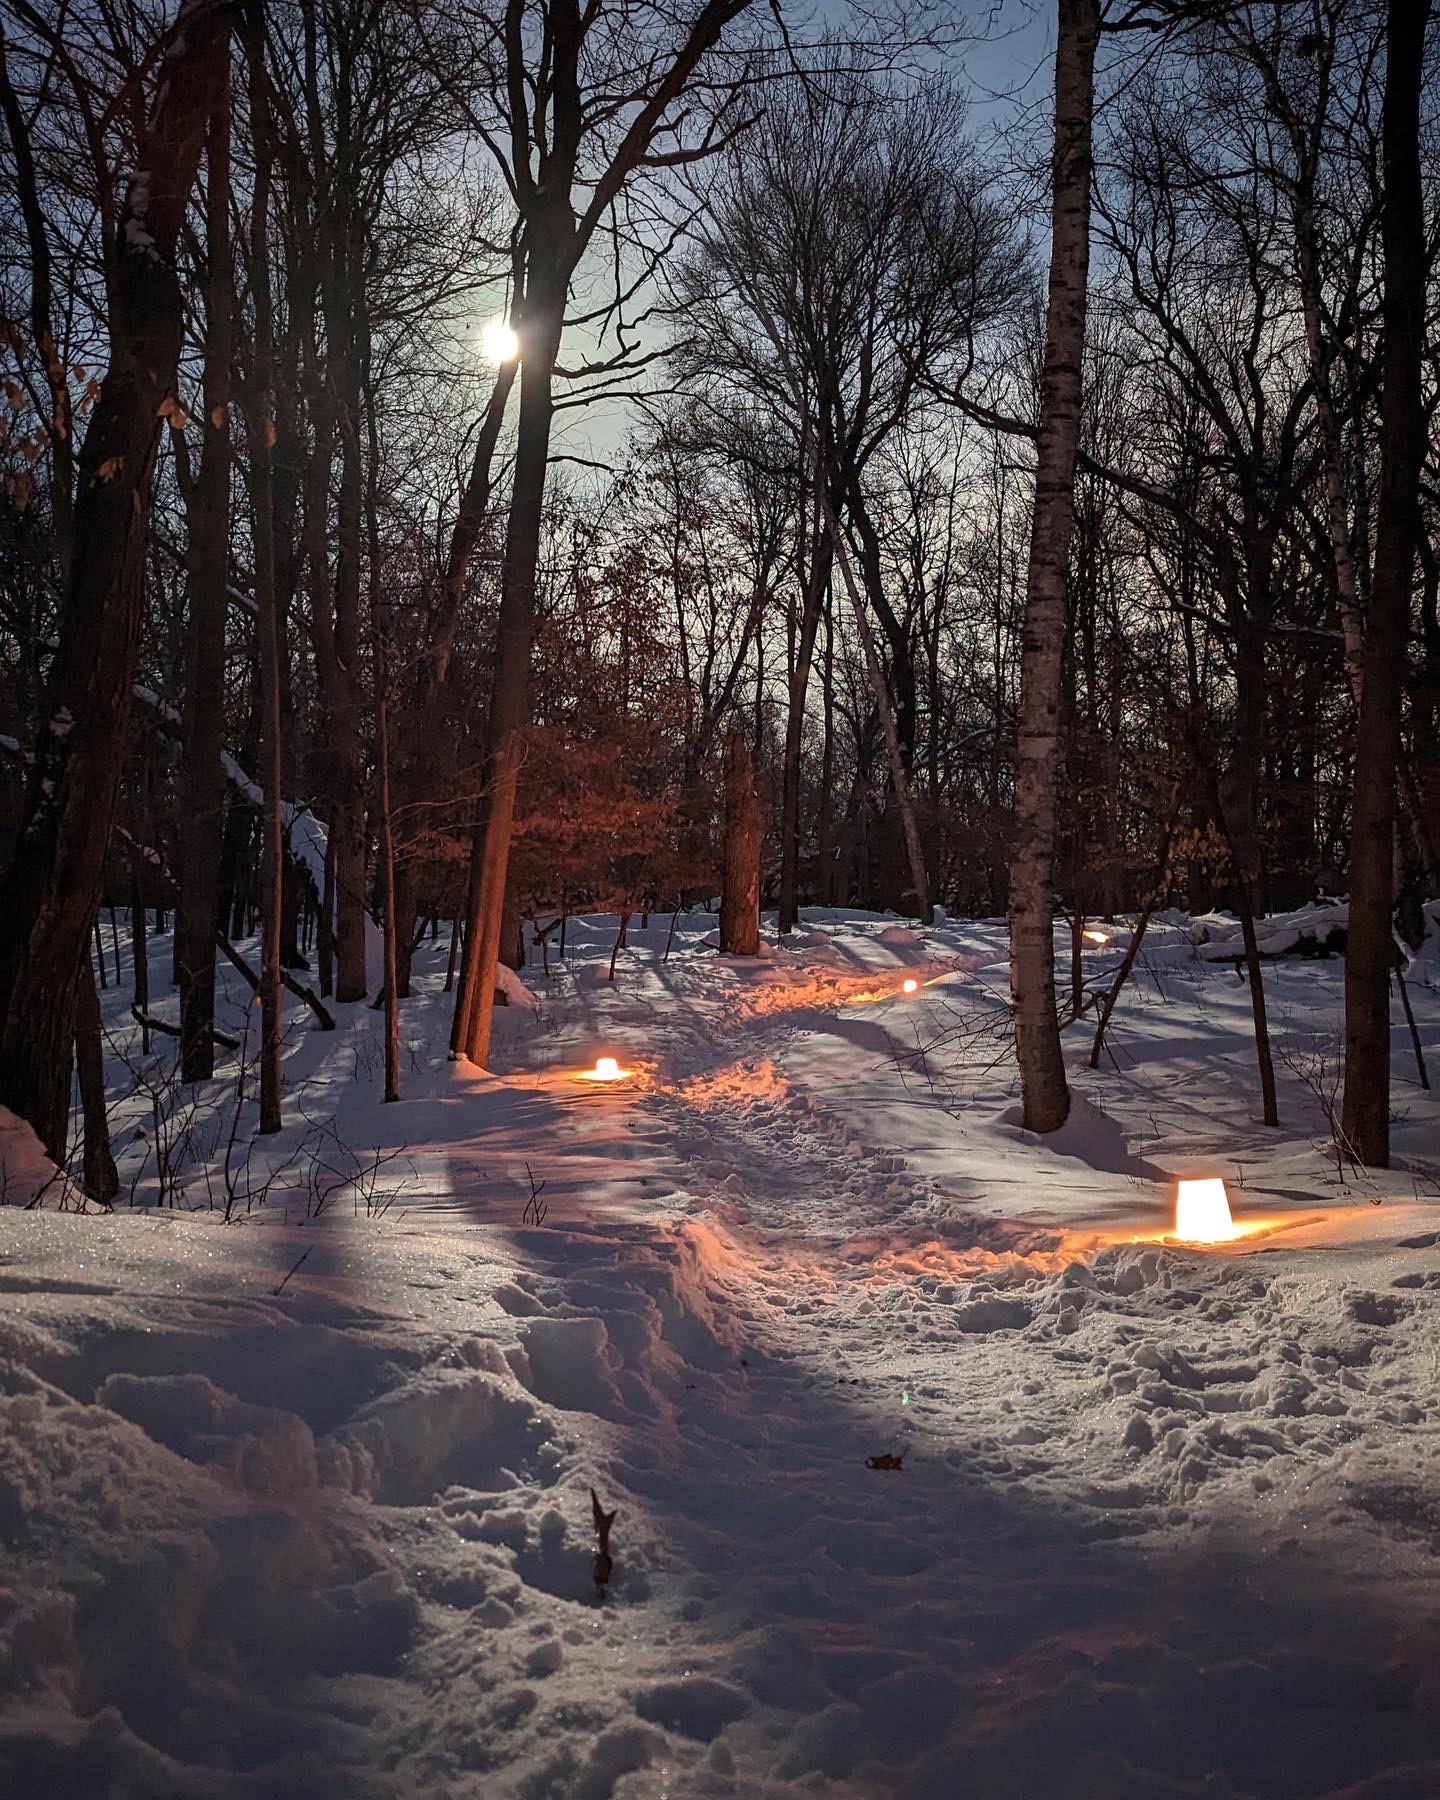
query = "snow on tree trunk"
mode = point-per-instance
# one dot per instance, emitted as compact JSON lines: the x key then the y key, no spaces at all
{"x":740,"y":889}
{"x":1044,"y":1091}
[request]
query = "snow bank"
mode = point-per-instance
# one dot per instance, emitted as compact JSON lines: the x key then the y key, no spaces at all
{"x":935,"y":1470}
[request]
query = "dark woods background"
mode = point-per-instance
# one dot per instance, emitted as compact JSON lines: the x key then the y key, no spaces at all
{"x":313,"y":613}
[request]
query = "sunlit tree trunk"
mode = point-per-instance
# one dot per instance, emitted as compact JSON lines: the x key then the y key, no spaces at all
{"x":1370,"y":948}
{"x":540,"y":324}
{"x":1044,"y":1091}
{"x":740,"y":890}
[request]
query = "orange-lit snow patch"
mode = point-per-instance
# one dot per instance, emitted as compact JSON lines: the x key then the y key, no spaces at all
{"x":734,"y":1084}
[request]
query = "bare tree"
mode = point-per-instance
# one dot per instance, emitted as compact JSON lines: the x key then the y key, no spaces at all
{"x":547,"y":53}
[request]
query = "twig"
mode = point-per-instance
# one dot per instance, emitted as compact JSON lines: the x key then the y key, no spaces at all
{"x":222,"y":1038}
{"x":294,"y":1266}
{"x":604,"y":1562}
{"x":311,"y":999}
{"x":535,"y":1208}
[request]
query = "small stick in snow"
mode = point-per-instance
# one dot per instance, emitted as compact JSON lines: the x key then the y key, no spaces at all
{"x":604,"y":1562}
{"x":535,"y":1207}
{"x":886,"y":1461}
{"x":294,"y":1266}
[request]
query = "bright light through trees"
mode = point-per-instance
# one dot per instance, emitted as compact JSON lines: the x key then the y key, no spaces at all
{"x":499,"y":342}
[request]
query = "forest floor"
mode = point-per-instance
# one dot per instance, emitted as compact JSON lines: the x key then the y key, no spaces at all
{"x":300,"y":1505}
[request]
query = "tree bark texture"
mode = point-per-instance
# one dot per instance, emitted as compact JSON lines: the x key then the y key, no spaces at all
{"x":740,"y":877}
{"x":1370,"y":948}
{"x":1044,"y":1090}
{"x":51,"y":890}
{"x":199,"y":847}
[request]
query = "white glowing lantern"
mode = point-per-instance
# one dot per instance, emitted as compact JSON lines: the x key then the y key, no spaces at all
{"x":1098,"y":937}
{"x":499,"y":342}
{"x":910,"y":985}
{"x":607,"y":1069}
{"x":1202,"y":1211}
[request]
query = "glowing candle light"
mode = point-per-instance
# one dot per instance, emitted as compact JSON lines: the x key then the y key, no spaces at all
{"x":1202,"y":1212}
{"x":910,"y":985}
{"x":1098,"y":937}
{"x":607,"y":1069}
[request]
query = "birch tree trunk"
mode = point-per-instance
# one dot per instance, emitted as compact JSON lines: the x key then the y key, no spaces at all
{"x":1044,"y":1091}
{"x":1369,"y":953}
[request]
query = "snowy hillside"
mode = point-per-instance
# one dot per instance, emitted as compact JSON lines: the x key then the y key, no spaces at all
{"x":300,"y":1505}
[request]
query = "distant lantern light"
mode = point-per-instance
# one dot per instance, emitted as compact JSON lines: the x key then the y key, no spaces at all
{"x":1098,"y":937}
{"x":499,"y":342}
{"x":1202,"y":1212}
{"x":607,"y":1068}
{"x":910,"y":985}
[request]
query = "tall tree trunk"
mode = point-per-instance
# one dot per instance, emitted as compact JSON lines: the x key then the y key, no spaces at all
{"x":139,"y":954}
{"x":1370,"y":947}
{"x":395,"y":925}
{"x":1236,"y":799}
{"x":740,"y":872}
{"x":540,"y":324}
{"x":260,"y":434}
{"x":100,"y":1178}
{"x":1044,"y":1091}
{"x":51,"y":890}
{"x":203,"y":780}
{"x":817,"y":580}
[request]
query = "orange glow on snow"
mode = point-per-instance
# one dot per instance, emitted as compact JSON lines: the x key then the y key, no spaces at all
{"x":1202,"y":1212}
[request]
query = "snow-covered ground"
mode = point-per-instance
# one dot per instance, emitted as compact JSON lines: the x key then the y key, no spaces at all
{"x":300,"y":1505}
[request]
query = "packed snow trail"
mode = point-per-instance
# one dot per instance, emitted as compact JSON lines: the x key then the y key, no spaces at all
{"x":1164,"y":1522}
